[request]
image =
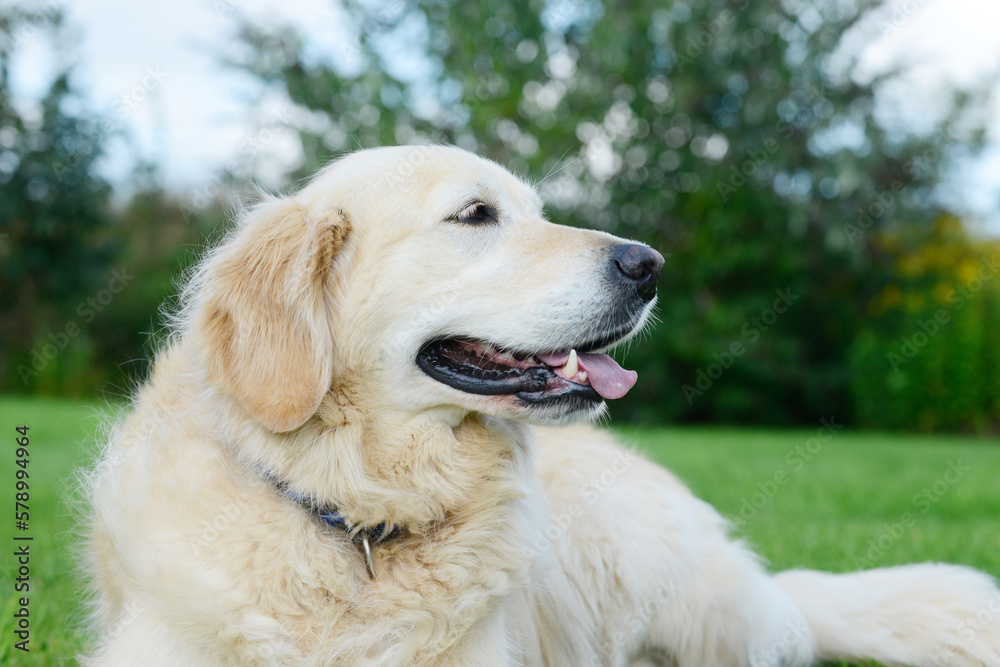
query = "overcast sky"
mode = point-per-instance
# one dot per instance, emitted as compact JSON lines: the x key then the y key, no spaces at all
{"x":153,"y":66}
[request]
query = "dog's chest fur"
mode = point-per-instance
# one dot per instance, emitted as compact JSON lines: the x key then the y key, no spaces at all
{"x":274,"y":579}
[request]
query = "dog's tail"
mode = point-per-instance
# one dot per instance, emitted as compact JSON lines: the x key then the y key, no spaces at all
{"x":930,"y":615}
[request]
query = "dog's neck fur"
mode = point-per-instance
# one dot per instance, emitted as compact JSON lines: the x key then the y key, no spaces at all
{"x":385,"y":467}
{"x":390,"y":468}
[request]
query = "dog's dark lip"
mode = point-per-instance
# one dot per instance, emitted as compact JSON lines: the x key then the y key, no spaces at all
{"x":454,"y":361}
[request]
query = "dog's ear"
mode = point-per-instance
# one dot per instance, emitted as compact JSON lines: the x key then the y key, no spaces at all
{"x":261,"y":320}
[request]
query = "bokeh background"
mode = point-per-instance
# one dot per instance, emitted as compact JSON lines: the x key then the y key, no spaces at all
{"x":824,"y":177}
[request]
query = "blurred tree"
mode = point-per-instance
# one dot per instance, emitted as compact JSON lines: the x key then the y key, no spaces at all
{"x":53,"y":208}
{"x":81,"y":280}
{"x":928,"y":357}
{"x":161,"y":236}
{"x":730,"y":135}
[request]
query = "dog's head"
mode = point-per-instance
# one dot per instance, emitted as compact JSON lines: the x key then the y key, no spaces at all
{"x":420,"y":278}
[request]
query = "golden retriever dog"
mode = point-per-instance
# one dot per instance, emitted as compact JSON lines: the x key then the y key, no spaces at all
{"x":351,"y":451}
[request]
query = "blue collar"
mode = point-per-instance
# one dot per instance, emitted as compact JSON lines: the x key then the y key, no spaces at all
{"x":329,"y":515}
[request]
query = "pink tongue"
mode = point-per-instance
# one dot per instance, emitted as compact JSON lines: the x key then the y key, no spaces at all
{"x":604,"y":374}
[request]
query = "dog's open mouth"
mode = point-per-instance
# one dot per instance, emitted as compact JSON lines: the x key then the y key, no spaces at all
{"x":479,"y":368}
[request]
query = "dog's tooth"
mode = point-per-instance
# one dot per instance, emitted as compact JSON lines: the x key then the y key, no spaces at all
{"x":488,"y":347}
{"x":530,"y":360}
{"x":571,"y":367}
{"x":582,"y":377}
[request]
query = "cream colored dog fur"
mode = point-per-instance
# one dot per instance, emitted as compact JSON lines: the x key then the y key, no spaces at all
{"x":293,"y":359}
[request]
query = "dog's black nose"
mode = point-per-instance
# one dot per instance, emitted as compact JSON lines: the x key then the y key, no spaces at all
{"x":641,"y":265}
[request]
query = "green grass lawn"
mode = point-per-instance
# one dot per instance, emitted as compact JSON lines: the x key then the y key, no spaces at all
{"x":825,"y":511}
{"x":917,"y":498}
{"x":62,"y":434}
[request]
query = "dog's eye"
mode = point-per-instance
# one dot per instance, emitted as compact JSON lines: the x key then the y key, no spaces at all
{"x":477,"y":213}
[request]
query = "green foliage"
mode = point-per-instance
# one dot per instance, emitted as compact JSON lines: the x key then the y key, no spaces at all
{"x":160,"y":238}
{"x":991,"y":358}
{"x":927,"y":356}
{"x":81,"y":281}
{"x":716,"y":132}
{"x":54,"y":214}
{"x":730,"y":136}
